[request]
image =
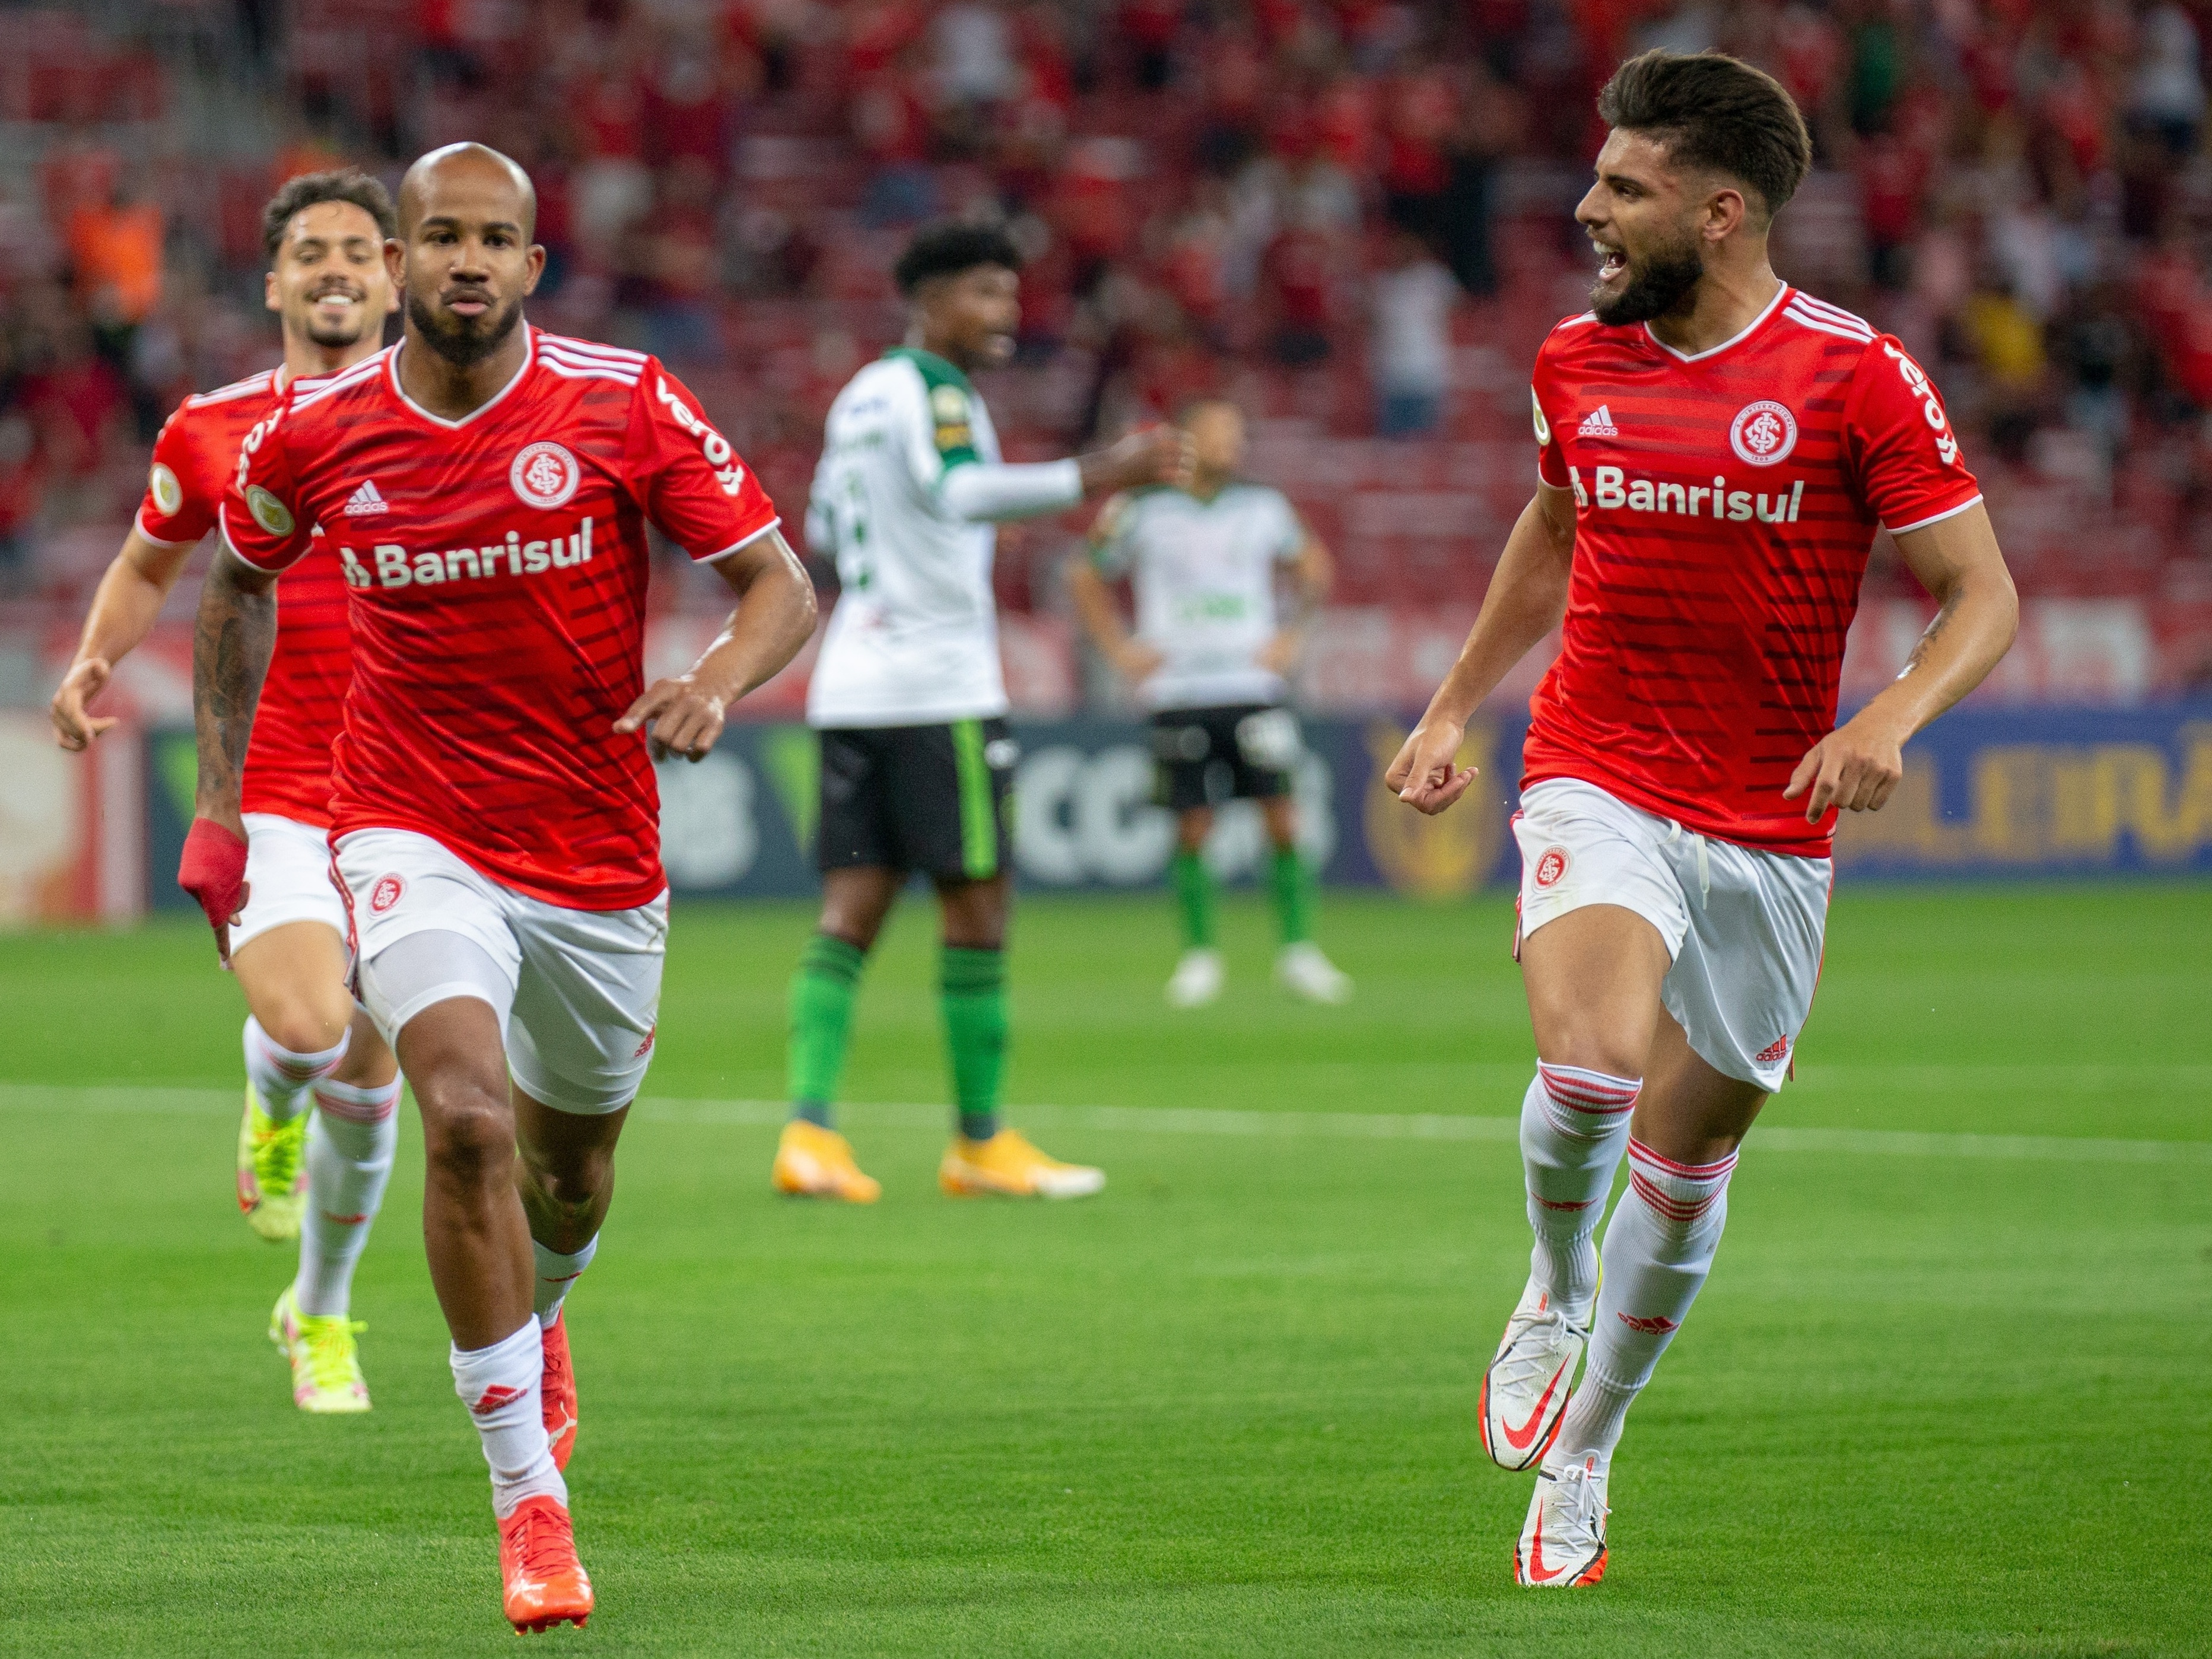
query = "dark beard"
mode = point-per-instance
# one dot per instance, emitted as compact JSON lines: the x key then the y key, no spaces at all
{"x":462,"y":342}
{"x":1656,"y":285}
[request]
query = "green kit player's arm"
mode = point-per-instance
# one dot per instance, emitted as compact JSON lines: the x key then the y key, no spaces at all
{"x":1094,"y":600}
{"x":1313,"y":573}
{"x":990,"y":491}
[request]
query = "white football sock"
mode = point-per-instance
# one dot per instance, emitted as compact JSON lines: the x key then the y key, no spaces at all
{"x":1659,"y":1247}
{"x":350,"y":1142}
{"x":556,"y":1273}
{"x":500,"y":1387}
{"x":280,"y":1077}
{"x":1574,"y":1124}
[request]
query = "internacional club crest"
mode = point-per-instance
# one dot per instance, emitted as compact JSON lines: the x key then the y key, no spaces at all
{"x":544,"y":475}
{"x":1763,"y":433}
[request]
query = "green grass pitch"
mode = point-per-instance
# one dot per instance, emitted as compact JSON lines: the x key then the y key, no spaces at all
{"x":1948,"y":1393}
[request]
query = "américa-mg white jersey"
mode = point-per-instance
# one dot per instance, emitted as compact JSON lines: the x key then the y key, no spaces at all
{"x":913,"y":639}
{"x":1203,"y":573}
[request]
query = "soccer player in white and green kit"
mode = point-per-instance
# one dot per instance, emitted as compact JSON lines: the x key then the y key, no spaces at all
{"x":1208,"y":657}
{"x":909,"y":700}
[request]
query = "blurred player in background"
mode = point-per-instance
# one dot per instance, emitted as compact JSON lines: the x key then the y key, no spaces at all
{"x":495,"y":816}
{"x":307,"y":1045}
{"x":910,"y":703}
{"x":1717,"y":450}
{"x":1208,"y":658}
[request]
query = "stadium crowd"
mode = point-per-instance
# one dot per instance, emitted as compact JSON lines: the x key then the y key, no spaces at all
{"x":1350,"y":214}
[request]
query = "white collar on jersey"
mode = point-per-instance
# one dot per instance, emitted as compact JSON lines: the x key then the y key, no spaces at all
{"x":529,"y":357}
{"x":1745,"y":333}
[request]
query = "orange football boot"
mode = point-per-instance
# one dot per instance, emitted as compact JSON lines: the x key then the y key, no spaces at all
{"x":558,"y":1391}
{"x":542,"y":1581}
{"x":812,"y":1161}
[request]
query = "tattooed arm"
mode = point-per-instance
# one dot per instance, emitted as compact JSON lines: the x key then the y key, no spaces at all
{"x":1957,"y":560}
{"x":232,"y":638}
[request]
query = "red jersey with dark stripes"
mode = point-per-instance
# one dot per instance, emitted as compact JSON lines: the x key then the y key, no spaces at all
{"x":287,"y":763}
{"x":1725,"y":504}
{"x":498,"y":567}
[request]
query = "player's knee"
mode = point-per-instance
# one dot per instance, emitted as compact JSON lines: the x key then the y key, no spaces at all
{"x":468,"y":1135}
{"x":305,"y":1023}
{"x":1595,"y":1049}
{"x":570,"y":1183}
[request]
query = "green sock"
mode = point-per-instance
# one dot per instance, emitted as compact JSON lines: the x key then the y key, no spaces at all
{"x":1193,"y":885}
{"x":821,"y":1014}
{"x":1293,"y":895}
{"x":972,"y":985}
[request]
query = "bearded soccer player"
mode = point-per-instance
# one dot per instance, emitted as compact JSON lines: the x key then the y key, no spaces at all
{"x":321,"y":1090}
{"x":1717,"y":450}
{"x":494,"y":816}
{"x":1208,"y":658}
{"x":910,"y":703}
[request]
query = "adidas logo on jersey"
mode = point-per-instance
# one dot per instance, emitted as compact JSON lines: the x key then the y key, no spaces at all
{"x":365,"y":500}
{"x":1598,"y":424}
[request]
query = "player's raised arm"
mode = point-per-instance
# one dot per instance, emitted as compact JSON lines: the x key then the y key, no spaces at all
{"x":1528,"y":597}
{"x":124,"y":610}
{"x":1957,"y":560}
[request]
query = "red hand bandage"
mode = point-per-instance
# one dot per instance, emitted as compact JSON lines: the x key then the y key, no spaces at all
{"x":213,"y":869}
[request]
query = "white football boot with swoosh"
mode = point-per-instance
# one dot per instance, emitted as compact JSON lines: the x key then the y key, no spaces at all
{"x":1525,"y":1391}
{"x":1563,"y":1541}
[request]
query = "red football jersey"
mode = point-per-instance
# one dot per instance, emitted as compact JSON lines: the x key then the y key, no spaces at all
{"x":498,"y":565}
{"x":1725,"y":504}
{"x":287,"y":764}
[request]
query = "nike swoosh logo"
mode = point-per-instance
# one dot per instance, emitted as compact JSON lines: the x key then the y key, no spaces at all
{"x":1519,"y":1438}
{"x":1536,"y":1573}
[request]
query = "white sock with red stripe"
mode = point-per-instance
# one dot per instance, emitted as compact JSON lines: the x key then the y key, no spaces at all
{"x":282,"y":1078}
{"x":1659,"y":1247}
{"x":556,"y":1273}
{"x":500,"y":1387}
{"x":1574,"y":1124}
{"x":350,"y":1144}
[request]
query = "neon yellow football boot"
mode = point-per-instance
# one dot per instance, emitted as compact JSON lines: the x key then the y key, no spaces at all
{"x":325,"y":1362}
{"x":272,"y":1182}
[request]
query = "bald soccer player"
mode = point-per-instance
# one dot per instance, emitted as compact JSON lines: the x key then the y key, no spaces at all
{"x":494,"y":819}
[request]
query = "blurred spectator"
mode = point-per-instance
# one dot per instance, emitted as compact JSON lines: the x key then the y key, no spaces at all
{"x":2167,"y":97}
{"x":1409,"y":347}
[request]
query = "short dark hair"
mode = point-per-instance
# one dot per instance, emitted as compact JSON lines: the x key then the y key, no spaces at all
{"x":1715,"y":112}
{"x":338,"y":185}
{"x":951,"y":246}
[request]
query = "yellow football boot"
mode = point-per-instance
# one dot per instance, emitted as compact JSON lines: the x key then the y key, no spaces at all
{"x":1006,"y":1164}
{"x":273,"y":1184}
{"x":812,"y":1161}
{"x":325,"y":1364}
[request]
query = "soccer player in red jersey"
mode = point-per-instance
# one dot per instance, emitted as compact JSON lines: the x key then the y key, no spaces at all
{"x":1717,"y":450}
{"x":495,"y":823}
{"x":307,"y":1044}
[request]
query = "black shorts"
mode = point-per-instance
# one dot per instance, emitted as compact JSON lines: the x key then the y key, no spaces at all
{"x":927,"y":798}
{"x":1203,"y":757}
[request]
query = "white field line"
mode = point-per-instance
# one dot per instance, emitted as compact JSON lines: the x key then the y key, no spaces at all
{"x":1177,"y":1120}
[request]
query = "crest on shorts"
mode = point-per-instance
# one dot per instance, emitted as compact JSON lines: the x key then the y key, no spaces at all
{"x":544,"y":474}
{"x":1763,"y":433}
{"x":162,"y":483}
{"x":1551,"y":866}
{"x":385,"y":893}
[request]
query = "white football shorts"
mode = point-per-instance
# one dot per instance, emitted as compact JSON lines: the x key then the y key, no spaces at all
{"x":287,"y":878}
{"x":577,"y":992}
{"x":1744,"y":928}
